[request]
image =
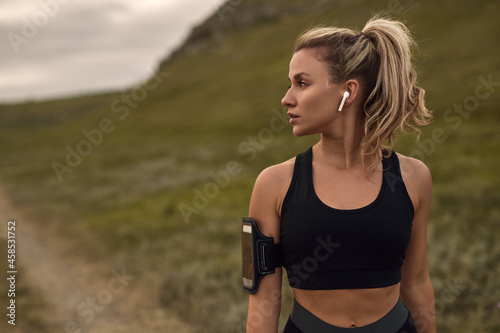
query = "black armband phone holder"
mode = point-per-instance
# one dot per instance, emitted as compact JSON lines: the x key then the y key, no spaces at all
{"x":260,"y":255}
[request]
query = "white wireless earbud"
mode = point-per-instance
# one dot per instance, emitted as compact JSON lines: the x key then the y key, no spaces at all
{"x":346,"y":96}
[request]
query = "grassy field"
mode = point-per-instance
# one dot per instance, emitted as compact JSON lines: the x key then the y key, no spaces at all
{"x":161,"y":185}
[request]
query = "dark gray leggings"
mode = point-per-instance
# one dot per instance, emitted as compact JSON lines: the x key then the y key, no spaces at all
{"x":398,"y":320}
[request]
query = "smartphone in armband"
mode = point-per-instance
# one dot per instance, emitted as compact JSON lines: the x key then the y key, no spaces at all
{"x":260,"y":256}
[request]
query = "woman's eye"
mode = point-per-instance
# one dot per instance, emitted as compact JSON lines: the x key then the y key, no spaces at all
{"x":301,"y":84}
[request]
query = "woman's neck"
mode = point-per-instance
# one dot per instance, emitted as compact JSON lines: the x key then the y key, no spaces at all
{"x":338,"y":154}
{"x":342,"y":150}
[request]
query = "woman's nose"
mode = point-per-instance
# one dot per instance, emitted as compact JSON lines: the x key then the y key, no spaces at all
{"x":288,"y":100}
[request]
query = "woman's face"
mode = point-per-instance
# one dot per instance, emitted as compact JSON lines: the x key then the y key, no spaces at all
{"x":312,"y":100}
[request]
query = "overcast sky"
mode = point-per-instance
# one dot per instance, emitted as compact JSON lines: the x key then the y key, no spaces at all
{"x":53,"y":48}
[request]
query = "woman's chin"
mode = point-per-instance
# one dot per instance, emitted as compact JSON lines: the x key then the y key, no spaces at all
{"x":301,"y":130}
{"x":298,"y":132}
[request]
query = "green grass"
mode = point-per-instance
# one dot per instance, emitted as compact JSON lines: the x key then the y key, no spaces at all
{"x":126,"y":194}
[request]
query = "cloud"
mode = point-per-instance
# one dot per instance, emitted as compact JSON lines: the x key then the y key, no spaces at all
{"x":78,"y":46}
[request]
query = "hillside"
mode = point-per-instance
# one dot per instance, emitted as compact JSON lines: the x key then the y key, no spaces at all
{"x":155,"y":179}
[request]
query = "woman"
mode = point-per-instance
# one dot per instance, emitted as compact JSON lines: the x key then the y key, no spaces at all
{"x":349,"y":213}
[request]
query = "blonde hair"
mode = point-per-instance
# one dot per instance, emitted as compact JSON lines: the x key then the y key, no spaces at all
{"x":380,"y":59}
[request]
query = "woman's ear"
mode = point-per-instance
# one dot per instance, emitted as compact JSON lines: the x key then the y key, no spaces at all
{"x":352,"y":86}
{"x":351,"y":91}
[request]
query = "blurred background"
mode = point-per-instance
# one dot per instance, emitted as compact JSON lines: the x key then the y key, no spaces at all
{"x":132,"y":133}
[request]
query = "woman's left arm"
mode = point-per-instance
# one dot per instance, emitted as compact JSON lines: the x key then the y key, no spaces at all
{"x":416,"y":287}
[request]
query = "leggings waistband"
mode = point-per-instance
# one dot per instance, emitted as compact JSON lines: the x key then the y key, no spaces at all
{"x":308,"y":322}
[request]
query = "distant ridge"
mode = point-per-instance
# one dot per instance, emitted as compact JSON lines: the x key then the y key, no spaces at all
{"x":235,"y":15}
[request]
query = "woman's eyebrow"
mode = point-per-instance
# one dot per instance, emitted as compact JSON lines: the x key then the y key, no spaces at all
{"x":299,"y":75}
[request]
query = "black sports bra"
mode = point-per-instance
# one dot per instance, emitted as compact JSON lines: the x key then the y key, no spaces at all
{"x":328,"y":248}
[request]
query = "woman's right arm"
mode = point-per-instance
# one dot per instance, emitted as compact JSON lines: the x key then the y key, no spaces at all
{"x":268,"y":193}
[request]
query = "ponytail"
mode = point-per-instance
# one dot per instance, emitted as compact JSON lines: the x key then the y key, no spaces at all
{"x":379,"y":57}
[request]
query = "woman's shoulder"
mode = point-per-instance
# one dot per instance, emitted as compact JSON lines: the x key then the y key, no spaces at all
{"x":416,"y":176}
{"x":275,"y":176}
{"x":267,"y":196}
{"x":413,"y":168}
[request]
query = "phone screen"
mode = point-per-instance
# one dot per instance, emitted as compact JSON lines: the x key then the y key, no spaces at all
{"x":247,"y":244}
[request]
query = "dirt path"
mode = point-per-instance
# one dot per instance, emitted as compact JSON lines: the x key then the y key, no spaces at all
{"x":81,"y":297}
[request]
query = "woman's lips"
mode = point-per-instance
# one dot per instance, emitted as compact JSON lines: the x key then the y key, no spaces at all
{"x":293,"y":117}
